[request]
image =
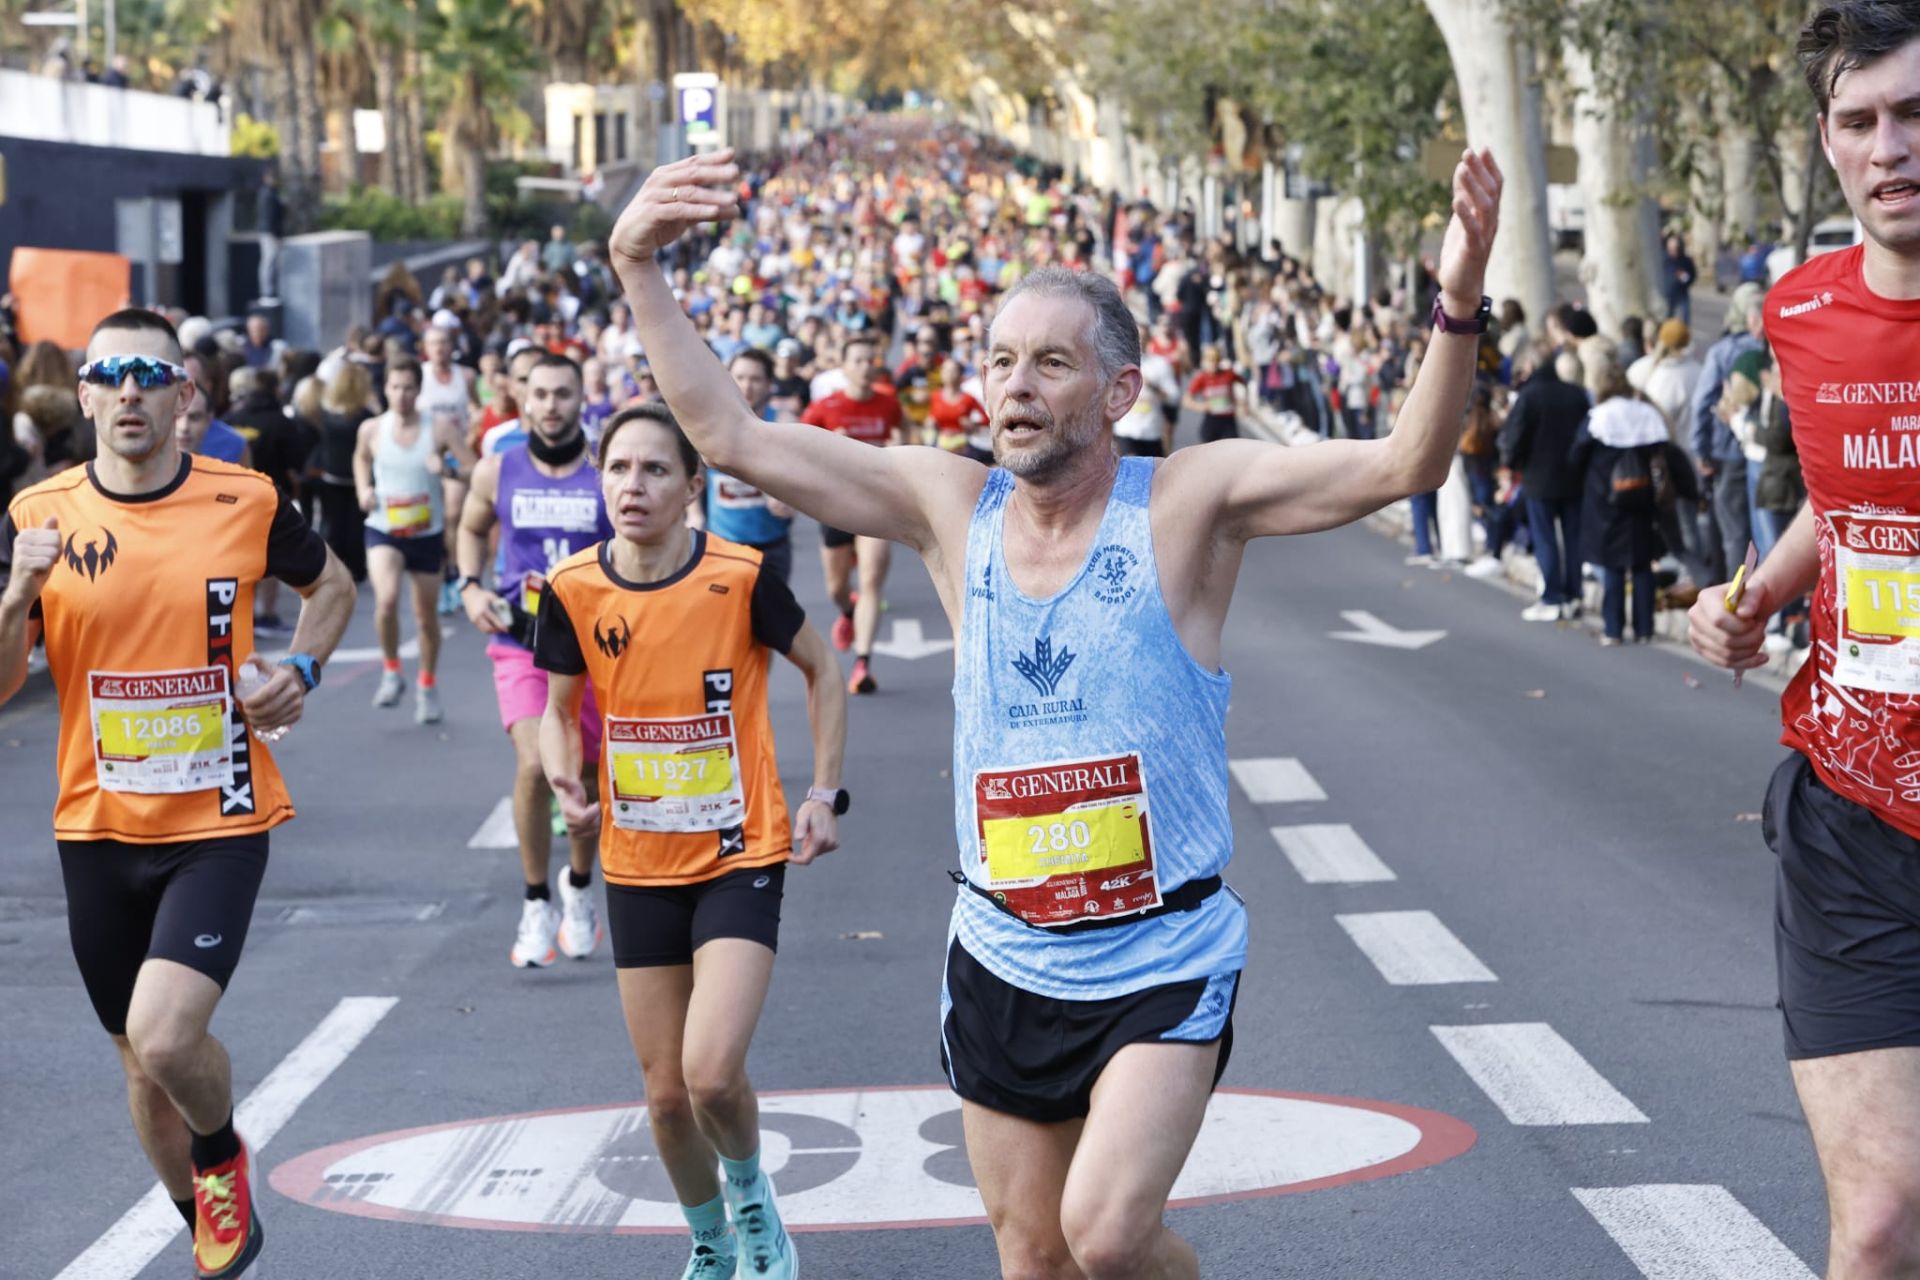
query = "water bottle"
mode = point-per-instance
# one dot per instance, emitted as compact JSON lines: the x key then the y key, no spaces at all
{"x":248,"y":679}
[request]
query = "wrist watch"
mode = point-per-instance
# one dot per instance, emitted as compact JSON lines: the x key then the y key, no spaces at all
{"x":305,"y":667}
{"x":1444,"y":323}
{"x":468,"y":580}
{"x":837,"y":800}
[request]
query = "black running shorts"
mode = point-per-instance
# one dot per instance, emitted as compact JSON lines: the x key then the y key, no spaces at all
{"x":1038,"y":1058}
{"x":424,"y":554}
{"x":1846,"y":922}
{"x":832,"y":537}
{"x":130,"y":903}
{"x":666,"y":924}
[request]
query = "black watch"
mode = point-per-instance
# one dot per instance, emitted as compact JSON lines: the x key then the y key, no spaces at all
{"x":460,"y":587}
{"x":839,"y":800}
{"x":1444,"y":323}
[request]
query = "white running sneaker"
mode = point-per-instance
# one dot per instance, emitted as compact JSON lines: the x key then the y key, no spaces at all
{"x":708,"y":1263}
{"x":579,"y":920}
{"x":1418,"y":561}
{"x":533,"y":945}
{"x":1541,"y":611}
{"x":392,"y":685}
{"x":1486,"y":567}
{"x":426,"y":704}
{"x":766,"y":1250}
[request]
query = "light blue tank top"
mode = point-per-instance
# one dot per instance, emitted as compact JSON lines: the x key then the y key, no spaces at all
{"x":1090,"y":767}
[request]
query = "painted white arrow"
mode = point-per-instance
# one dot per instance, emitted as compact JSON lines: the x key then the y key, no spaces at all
{"x":910,"y":641}
{"x":1370,"y":630}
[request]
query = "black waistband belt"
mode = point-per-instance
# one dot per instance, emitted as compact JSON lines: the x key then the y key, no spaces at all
{"x":1185,"y":898}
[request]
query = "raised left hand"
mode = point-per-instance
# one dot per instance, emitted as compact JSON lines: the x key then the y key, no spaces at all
{"x":816,"y":830}
{"x":1477,"y":183}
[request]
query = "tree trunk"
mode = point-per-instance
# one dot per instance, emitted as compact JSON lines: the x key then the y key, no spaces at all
{"x":386,"y":96}
{"x":1501,"y":98}
{"x":1739,"y":168}
{"x":1798,"y":143}
{"x":306,"y":106}
{"x":1610,"y":133}
{"x":661,"y":16}
{"x":1706,"y":195}
{"x":413,"y":130}
{"x":468,"y":140}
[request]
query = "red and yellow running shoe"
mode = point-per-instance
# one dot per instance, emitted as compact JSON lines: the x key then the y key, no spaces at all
{"x":226,"y":1232}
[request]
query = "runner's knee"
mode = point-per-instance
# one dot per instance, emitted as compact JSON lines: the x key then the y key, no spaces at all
{"x":716,"y":1086}
{"x":1110,"y":1239}
{"x":1026,"y":1255}
{"x":669,"y":1111}
{"x":165,"y":1048}
{"x":1876,"y":1233}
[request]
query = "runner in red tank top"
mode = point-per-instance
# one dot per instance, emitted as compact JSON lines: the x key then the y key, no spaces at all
{"x":1843,"y":812}
{"x":864,"y":412}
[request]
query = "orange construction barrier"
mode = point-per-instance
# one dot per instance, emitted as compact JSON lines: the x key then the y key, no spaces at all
{"x":60,"y":294}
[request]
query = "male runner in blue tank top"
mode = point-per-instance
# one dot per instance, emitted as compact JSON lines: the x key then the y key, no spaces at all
{"x":544,"y":497}
{"x":1094,"y":953}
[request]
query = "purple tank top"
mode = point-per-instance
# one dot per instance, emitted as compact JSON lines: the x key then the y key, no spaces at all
{"x":543,"y":520}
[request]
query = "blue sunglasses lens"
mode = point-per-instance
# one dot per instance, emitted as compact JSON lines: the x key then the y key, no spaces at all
{"x":147,"y":373}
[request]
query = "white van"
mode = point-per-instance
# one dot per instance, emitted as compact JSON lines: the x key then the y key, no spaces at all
{"x":1828,"y":236}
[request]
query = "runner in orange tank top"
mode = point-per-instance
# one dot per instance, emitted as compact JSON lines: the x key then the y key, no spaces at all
{"x":674,"y":629}
{"x":139,"y":572}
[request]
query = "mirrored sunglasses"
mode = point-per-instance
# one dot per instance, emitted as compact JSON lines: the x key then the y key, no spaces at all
{"x":147,"y":372}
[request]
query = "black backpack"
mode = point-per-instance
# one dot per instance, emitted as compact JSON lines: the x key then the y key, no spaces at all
{"x":1641,"y":479}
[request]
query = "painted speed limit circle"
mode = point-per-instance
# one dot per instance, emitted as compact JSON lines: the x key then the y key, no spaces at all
{"x":860,"y":1159}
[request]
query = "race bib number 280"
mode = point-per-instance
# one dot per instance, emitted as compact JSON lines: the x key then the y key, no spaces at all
{"x":1877,"y":596}
{"x":160,"y":732}
{"x":1067,"y":841}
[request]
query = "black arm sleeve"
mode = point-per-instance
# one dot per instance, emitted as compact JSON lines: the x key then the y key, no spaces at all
{"x":556,"y":646}
{"x":295,"y":553}
{"x":777,"y":616}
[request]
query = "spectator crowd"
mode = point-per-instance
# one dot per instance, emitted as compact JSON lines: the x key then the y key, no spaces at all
{"x":1642,"y":462}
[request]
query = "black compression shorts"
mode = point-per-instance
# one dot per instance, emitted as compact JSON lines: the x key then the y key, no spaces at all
{"x":127,"y":904}
{"x":424,"y":554}
{"x":832,"y":537}
{"x":1846,"y":920}
{"x":1038,"y":1058}
{"x":666,"y":924}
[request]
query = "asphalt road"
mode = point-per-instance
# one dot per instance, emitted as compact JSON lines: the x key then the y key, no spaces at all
{"x":1518,"y":958}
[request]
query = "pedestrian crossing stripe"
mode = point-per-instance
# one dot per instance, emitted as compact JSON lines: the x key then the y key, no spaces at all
{"x":858,"y":1159}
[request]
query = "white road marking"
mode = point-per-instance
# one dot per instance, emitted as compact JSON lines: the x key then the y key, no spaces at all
{"x":1331,"y":853}
{"x":910,"y":641}
{"x":1280,"y":780}
{"x":1368,"y":629}
{"x":147,"y":1228}
{"x":1534,"y":1076}
{"x":497,"y":831}
{"x":842,"y":1159}
{"x":409,"y":648}
{"x":1412,"y":948}
{"x":1680,"y":1232}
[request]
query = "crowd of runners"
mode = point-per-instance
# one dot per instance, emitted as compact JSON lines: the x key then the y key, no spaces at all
{"x":923,"y":343}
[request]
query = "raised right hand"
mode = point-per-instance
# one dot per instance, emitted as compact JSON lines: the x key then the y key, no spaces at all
{"x":1731,"y":640}
{"x":35,"y":552}
{"x":674,"y":198}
